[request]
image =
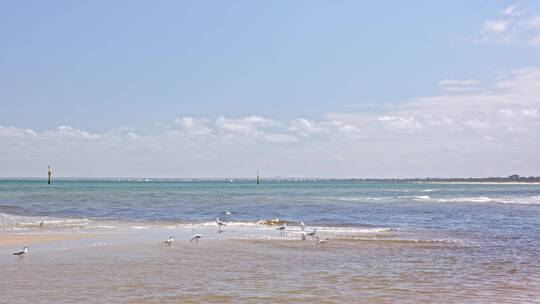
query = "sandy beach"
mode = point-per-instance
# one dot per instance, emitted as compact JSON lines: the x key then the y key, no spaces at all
{"x":251,"y":265}
{"x":103,"y":241}
{"x":12,"y":239}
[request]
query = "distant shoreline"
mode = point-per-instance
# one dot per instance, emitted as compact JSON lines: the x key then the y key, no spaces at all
{"x":463,"y":182}
{"x":472,"y":180}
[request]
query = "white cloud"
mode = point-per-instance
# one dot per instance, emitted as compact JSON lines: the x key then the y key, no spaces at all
{"x":509,"y":11}
{"x":305,"y":127}
{"x":498,"y":31}
{"x":199,"y":127}
{"x":280,"y":138}
{"x":119,"y":134}
{"x":495,"y":26}
{"x":456,"y":132}
{"x":71,"y":133}
{"x":512,"y":26}
{"x":400,"y":124}
{"x":530,"y":113}
{"x":9,"y":131}
{"x":458,"y":82}
{"x":459,"y":85}
{"x":476,"y":124}
{"x":348,"y":130}
{"x":247,"y":125}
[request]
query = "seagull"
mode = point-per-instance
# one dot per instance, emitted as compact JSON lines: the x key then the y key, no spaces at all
{"x":303,"y":236}
{"x":302,"y":226}
{"x":312,"y":233}
{"x":227,"y":212}
{"x":219,"y":223}
{"x":319,"y":241}
{"x":22,"y":252}
{"x":282,"y":227}
{"x":196,"y":237}
{"x":170,"y":241}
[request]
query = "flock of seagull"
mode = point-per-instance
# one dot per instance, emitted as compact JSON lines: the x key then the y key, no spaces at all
{"x":281,"y":229}
{"x":220,"y":224}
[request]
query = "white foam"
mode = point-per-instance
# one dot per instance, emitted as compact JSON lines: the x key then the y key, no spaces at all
{"x":139,"y":227}
{"x":102,"y":227}
{"x":19,"y":229}
{"x":353,"y":230}
{"x":213,"y":223}
{"x":528,"y":200}
{"x":478,"y":199}
{"x":480,"y":183}
{"x":12,"y":222}
{"x":366,"y":198}
{"x":254,"y":230}
{"x":531,"y":200}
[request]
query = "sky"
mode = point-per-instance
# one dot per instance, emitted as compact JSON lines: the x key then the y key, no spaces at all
{"x":338,"y":89}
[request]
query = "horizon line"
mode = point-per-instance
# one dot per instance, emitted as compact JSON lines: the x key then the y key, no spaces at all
{"x":509,"y":177}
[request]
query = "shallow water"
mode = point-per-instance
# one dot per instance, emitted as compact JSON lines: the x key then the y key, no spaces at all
{"x":388,"y":242}
{"x":270,"y":271}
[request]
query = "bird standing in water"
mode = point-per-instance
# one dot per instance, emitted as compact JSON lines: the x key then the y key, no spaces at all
{"x":170,"y":241}
{"x":312,"y":233}
{"x":319,"y":241}
{"x":196,"y":238}
{"x":219,"y":223}
{"x":22,"y":252}
{"x":282,"y":228}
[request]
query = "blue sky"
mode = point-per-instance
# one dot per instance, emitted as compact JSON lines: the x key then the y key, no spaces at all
{"x":147,"y":68}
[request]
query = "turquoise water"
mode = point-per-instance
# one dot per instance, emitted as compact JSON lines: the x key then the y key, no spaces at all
{"x":499,"y":209}
{"x":388,"y":241}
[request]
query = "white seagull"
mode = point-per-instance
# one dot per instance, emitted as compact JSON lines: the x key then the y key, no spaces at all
{"x":227,"y":212}
{"x":312,"y":233}
{"x":282,"y":228}
{"x":22,"y":252}
{"x":170,"y":241}
{"x":319,"y":241}
{"x":302,"y":226}
{"x":196,"y":238}
{"x":219,"y":223}
{"x":303,"y":236}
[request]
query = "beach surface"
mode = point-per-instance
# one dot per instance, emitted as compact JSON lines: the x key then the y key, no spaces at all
{"x":30,"y":239}
{"x":256,"y":264}
{"x":103,"y":242}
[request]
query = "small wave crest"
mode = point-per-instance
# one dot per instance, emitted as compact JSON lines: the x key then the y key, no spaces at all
{"x":421,"y":197}
{"x":528,"y":200}
{"x":366,"y":198}
{"x":478,"y":199}
{"x":292,"y":227}
{"x":20,"y":222}
{"x":531,"y":200}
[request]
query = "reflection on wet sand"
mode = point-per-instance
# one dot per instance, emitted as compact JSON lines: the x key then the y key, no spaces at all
{"x":242,"y":265}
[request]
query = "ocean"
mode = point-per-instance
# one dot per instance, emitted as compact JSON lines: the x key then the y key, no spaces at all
{"x":388,"y":241}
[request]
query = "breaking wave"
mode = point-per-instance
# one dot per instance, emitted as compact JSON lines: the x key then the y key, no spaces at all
{"x":528,"y":200}
{"x":525,"y":200}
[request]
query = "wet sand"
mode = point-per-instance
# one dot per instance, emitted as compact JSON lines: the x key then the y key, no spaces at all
{"x":134,"y":266}
{"x":11,"y":239}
